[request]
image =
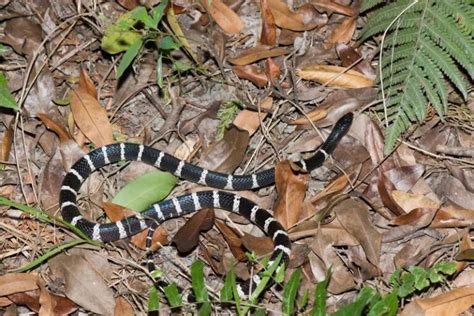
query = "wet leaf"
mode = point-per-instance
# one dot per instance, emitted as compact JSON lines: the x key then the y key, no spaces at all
{"x":89,"y":115}
{"x":187,"y":238}
{"x":146,"y":190}
{"x":224,"y":16}
{"x":254,"y":54}
{"x":291,"y":188}
{"x":334,"y":76}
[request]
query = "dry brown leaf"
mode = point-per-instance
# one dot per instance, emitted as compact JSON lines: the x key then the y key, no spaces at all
{"x":291,"y":188}
{"x":268,"y":34}
{"x":385,"y":189}
{"x":333,"y":6}
{"x":89,"y":115}
{"x":301,"y":20}
{"x":406,"y":177}
{"x":232,"y":239}
{"x":117,"y":212}
{"x":453,"y":302}
{"x":227,"y":154}
{"x":254,"y":54}
{"x":251,"y":120}
{"x":17,"y":282}
{"x":122,"y":307}
{"x":252,"y":73}
{"x":313,"y":116}
{"x":342,"y":33}
{"x":354,"y":217}
{"x":335,"y":186}
{"x":342,"y":279}
{"x":260,"y":245}
{"x":79,"y":269}
{"x":7,"y":142}
{"x":54,"y":126}
{"x":410,"y":201}
{"x":273,"y":71}
{"x":28,"y":298}
{"x":335,"y":76}
{"x":333,"y":231}
{"x":5,"y":302}
{"x":453,"y":216}
{"x":51,"y":180}
{"x":224,"y":16}
{"x":466,"y":252}
{"x":52,"y":304}
{"x":187,"y":237}
{"x":351,"y":58}
{"x":418,"y":217}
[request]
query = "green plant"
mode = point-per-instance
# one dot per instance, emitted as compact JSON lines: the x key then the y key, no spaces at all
{"x":6,"y":98}
{"x":226,"y":115}
{"x":133,"y":30}
{"x":424,"y":42}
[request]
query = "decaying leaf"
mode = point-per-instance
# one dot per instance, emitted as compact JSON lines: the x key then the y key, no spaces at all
{"x":352,"y":58}
{"x":122,"y":307}
{"x":232,"y":239}
{"x":335,"y":76}
{"x":291,"y":188}
{"x":17,"y":282}
{"x":260,"y":245}
{"x":89,"y":115}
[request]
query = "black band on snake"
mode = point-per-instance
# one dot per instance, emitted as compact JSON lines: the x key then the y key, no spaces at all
{"x":185,"y":204}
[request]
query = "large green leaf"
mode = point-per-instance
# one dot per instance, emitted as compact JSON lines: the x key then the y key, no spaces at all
{"x":128,"y":57}
{"x":146,"y":190}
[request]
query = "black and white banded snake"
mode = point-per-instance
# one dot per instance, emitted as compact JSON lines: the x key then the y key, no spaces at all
{"x":189,"y":203}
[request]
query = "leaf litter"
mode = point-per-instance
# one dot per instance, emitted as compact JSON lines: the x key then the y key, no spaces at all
{"x":296,"y":70}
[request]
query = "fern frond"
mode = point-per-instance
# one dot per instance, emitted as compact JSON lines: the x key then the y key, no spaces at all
{"x":451,"y":39}
{"x":382,"y":18}
{"x":436,"y":77}
{"x":430,"y":91}
{"x":461,"y":11}
{"x":428,"y":44}
{"x":445,"y":63}
{"x":369,"y":4}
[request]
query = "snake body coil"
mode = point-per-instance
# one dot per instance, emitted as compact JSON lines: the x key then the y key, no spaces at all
{"x":189,"y":203}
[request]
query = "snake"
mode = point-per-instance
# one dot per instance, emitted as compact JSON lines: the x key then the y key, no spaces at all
{"x":189,"y":203}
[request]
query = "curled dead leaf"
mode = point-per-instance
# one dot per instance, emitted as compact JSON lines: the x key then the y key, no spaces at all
{"x":335,"y":76}
{"x":342,"y":33}
{"x":303,"y":19}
